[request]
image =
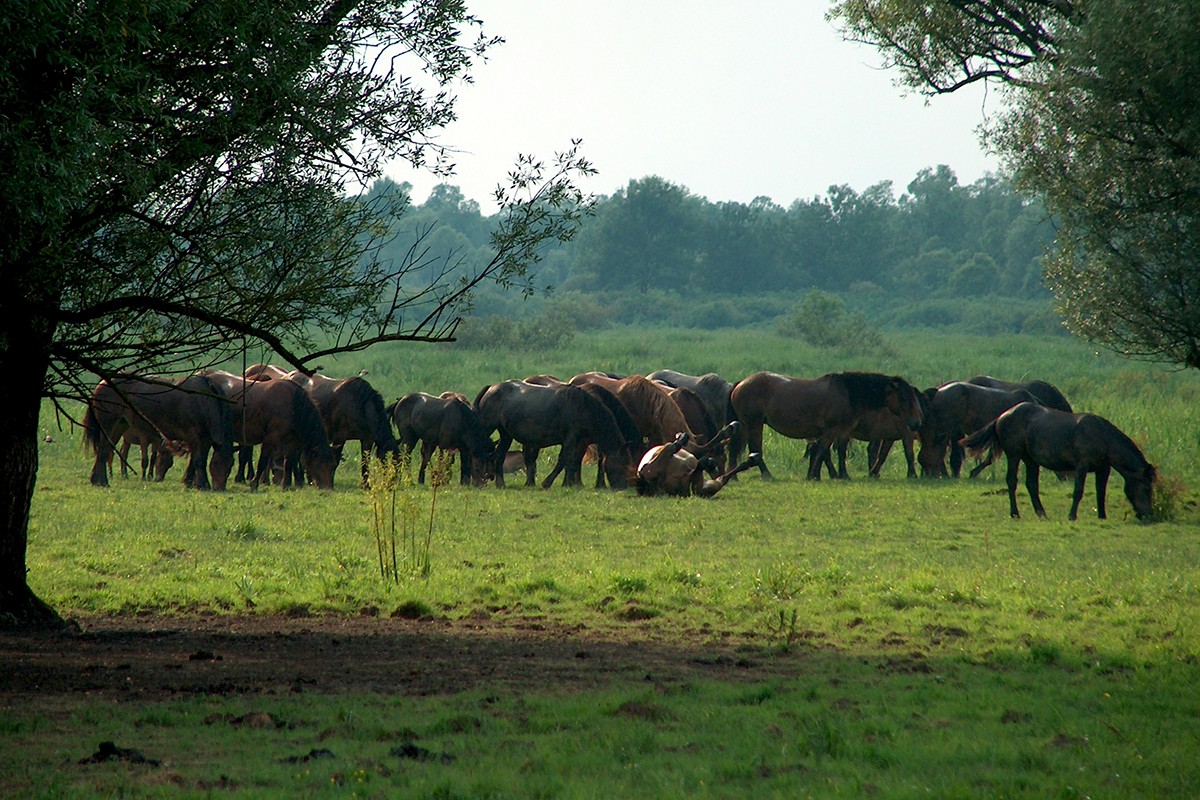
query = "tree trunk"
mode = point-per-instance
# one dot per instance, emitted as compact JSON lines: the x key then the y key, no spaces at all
{"x":26,"y":362}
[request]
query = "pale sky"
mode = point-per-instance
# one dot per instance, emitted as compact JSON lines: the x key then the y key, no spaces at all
{"x":731,"y":100}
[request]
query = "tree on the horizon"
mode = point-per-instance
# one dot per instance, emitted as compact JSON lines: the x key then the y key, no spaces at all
{"x":175,"y":186}
{"x":1102,"y":121}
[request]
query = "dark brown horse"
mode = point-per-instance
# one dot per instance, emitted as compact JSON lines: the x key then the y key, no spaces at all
{"x":880,"y":429}
{"x":281,"y":417}
{"x":448,"y":423}
{"x":953,"y":411}
{"x":1046,"y":393}
{"x":671,"y":470}
{"x":825,"y":409}
{"x":351,"y":409}
{"x":192,"y":411}
{"x":1036,"y":436}
{"x":545,"y":416}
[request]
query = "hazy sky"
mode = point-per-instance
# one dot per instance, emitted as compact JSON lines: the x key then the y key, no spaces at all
{"x":731,"y":100}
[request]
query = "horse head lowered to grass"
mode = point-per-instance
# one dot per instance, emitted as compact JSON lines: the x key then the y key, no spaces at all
{"x":1037,"y":437}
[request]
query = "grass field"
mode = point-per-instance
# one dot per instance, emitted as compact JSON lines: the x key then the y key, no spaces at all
{"x":937,"y":647}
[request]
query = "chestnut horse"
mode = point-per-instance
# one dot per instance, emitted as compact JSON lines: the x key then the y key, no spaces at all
{"x":192,"y":411}
{"x":544,"y":416}
{"x":1038,"y":437}
{"x":826,"y":409}
{"x":447,"y":422}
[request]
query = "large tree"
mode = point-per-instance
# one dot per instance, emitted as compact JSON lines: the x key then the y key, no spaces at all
{"x":176,"y":184}
{"x":1102,"y":119}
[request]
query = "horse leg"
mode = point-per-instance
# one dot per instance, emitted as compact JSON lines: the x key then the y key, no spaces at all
{"x":1010,"y":479}
{"x":264,"y":463}
{"x":501,"y":453}
{"x":427,"y":448}
{"x":707,"y":488}
{"x":1102,"y":474}
{"x":1032,"y":471}
{"x":981,"y":466}
{"x":530,"y":455}
{"x":559,"y":465}
{"x":956,"y":456}
{"x":754,"y":437}
{"x":843,"y":446}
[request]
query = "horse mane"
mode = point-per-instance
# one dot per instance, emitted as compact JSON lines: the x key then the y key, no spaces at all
{"x":866,"y":390}
{"x":667,"y":416}
{"x":474,"y":431}
{"x":601,"y":423}
{"x":370,"y":402}
{"x":625,"y":422}
{"x":307,"y":418}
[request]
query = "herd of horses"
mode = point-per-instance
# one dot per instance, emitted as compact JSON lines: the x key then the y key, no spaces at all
{"x":665,"y":433}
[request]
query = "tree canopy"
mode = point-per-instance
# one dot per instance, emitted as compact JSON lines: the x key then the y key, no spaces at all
{"x":176,"y":180}
{"x":1102,"y":120}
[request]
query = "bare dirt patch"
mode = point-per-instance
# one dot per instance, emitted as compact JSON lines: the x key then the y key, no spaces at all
{"x":158,"y":657}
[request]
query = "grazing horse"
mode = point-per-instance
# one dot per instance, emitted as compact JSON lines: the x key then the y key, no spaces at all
{"x":192,"y":411}
{"x":1044,"y":437}
{"x":448,"y":423}
{"x":281,"y":417}
{"x":544,"y":416}
{"x":826,"y":409}
{"x":351,"y":409}
{"x":714,"y":391}
{"x":953,"y":411}
{"x":671,"y":470}
{"x":625,"y":423}
{"x":657,"y":416}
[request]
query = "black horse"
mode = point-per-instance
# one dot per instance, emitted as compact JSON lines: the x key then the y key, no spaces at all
{"x":448,"y":423}
{"x":545,"y":416}
{"x":1044,"y":437}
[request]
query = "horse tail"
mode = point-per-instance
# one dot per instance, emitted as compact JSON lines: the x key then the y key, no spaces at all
{"x":221,"y":421}
{"x":479,"y":397}
{"x":982,"y":442}
{"x":390,"y":409}
{"x":93,"y":436}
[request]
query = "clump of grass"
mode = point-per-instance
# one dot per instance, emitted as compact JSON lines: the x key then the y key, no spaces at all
{"x":1167,"y":498}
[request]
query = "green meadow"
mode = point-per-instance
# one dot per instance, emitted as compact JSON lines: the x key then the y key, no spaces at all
{"x":945,"y":650}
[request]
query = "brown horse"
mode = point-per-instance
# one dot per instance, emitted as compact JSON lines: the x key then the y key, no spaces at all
{"x":351,"y":409}
{"x":448,"y":423}
{"x":657,"y":416}
{"x":281,"y":417}
{"x":544,"y":416}
{"x":193,"y":411}
{"x":880,"y":429}
{"x":1044,"y":437}
{"x":954,"y":410}
{"x":825,"y":409}
{"x":156,"y":459}
{"x":671,"y":470}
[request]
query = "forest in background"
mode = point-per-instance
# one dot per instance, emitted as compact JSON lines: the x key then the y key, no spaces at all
{"x":939,"y":255}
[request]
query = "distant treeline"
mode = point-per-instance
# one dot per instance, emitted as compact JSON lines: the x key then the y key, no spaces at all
{"x":933,"y":246}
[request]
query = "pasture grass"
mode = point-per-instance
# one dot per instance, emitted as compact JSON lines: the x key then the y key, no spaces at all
{"x":949,"y":651}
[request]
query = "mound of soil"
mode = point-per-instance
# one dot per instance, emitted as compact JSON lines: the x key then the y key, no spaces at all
{"x":156,"y":657}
